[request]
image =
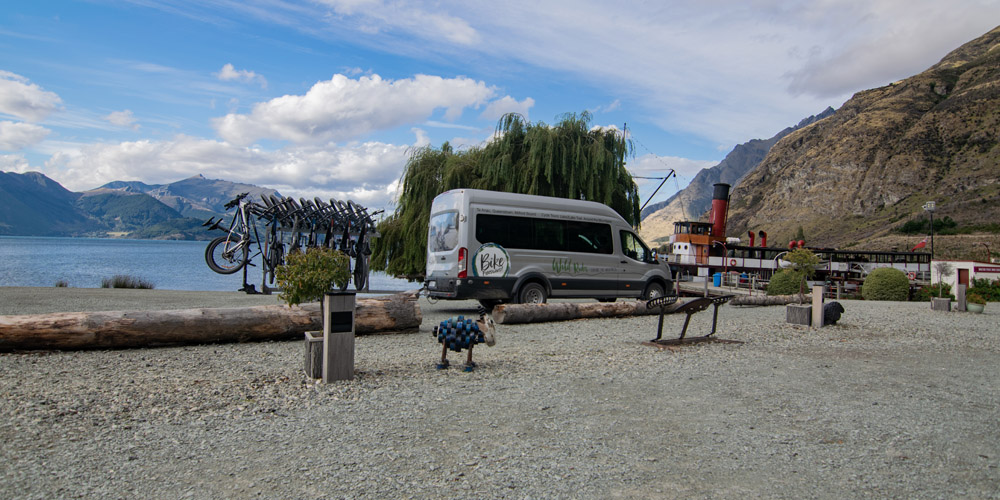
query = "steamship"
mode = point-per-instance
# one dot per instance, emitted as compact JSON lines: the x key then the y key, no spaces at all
{"x":699,"y":250}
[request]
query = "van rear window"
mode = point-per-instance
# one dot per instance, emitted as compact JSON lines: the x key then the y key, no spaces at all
{"x":443,"y":232}
{"x":544,"y":234}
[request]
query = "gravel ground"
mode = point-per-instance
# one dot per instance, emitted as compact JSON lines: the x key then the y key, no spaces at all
{"x":897,"y":401}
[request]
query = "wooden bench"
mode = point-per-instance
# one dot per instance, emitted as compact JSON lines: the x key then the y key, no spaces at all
{"x":668,"y":305}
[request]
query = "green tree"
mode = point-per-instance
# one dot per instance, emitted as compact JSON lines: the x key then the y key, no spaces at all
{"x":886,"y":283}
{"x":568,"y":160}
{"x":803,"y":266}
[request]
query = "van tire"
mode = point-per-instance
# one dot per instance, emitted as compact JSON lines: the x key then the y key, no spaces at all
{"x":653,"y":290}
{"x":532,"y":293}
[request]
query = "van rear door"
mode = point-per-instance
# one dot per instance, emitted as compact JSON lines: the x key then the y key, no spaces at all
{"x":443,"y":251}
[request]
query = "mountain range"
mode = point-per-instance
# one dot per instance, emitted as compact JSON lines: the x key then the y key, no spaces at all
{"x":36,"y":205}
{"x":696,"y":199}
{"x":862,"y":173}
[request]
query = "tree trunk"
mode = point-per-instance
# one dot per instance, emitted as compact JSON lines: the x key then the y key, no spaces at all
{"x":535,"y":313}
{"x":117,"y":329}
{"x":768,"y":300}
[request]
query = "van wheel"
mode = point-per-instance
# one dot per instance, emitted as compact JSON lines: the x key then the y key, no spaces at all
{"x":653,"y":290}
{"x":532,"y":293}
{"x":489,"y":304}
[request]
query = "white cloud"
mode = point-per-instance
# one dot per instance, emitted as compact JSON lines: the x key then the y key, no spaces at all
{"x":376,"y":16}
{"x":359,"y":171}
{"x":25,"y":100}
{"x":14,"y":163}
{"x":230,"y":73}
{"x":507,"y":104}
{"x":15,"y":136}
{"x":123,"y":118}
{"x":650,"y":165}
{"x":343,"y":109}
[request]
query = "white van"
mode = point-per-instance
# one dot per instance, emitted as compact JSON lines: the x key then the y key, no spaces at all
{"x":499,"y":247}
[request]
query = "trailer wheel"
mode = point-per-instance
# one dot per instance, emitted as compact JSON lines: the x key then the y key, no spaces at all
{"x":532,"y":293}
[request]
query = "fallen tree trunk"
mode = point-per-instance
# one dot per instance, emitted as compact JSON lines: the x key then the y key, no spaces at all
{"x":117,"y":329}
{"x":770,"y":300}
{"x":536,"y":313}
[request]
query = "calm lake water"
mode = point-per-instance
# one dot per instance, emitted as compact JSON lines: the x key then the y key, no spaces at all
{"x":169,"y":265}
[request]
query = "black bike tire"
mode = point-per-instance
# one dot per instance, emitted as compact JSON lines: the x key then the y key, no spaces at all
{"x":210,"y":255}
{"x":360,"y":272}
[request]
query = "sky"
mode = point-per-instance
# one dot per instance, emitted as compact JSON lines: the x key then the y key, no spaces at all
{"x":329,"y":98}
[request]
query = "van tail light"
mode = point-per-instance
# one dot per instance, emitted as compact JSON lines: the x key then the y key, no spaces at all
{"x":463,"y":264}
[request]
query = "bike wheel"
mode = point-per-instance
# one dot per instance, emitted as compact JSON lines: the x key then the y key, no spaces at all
{"x":275,"y":258}
{"x":226,"y":254}
{"x":360,"y":273}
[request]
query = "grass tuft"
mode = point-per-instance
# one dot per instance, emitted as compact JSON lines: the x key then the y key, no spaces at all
{"x":126,"y":281}
{"x":61,"y":284}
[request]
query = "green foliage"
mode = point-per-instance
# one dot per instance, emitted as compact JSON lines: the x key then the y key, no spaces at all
{"x":305,"y":277}
{"x":886,"y":283}
{"x":803,"y":267}
{"x":126,"y":281}
{"x":61,"y":283}
{"x":975,"y":298}
{"x":988,"y":290}
{"x":784,"y":282}
{"x":927,"y":292}
{"x":567,"y":160}
{"x":943,"y":225}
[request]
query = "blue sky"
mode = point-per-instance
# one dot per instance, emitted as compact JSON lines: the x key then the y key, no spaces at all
{"x":329,"y":97}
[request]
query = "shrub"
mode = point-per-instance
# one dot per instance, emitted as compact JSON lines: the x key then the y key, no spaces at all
{"x":927,"y":292}
{"x":126,"y":281}
{"x":988,"y":290}
{"x":61,"y":284}
{"x":784,"y":282}
{"x":305,"y":277}
{"x":886,"y":283}
{"x":975,"y":298}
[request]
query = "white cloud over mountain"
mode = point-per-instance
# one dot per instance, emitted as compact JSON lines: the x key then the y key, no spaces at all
{"x":343,"y":109}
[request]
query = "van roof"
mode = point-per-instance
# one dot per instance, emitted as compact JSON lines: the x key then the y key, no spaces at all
{"x":536,"y":201}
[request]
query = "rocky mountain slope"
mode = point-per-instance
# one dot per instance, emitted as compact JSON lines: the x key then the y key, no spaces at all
{"x":869,"y":168}
{"x":695,"y":200}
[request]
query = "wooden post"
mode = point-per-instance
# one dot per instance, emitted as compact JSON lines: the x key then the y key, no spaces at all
{"x":840,"y":289}
{"x":817,"y":305}
{"x":314,"y":355}
{"x":338,"y":336}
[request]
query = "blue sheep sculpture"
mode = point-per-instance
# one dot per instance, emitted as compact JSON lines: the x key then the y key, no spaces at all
{"x":460,"y":333}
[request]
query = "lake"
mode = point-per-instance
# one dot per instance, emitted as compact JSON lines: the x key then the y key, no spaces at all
{"x":169,"y":265}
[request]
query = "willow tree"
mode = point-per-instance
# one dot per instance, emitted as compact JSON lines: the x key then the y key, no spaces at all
{"x":568,"y":160}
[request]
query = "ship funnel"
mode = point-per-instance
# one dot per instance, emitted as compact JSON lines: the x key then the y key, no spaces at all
{"x":720,"y":210}
{"x":763,"y":238}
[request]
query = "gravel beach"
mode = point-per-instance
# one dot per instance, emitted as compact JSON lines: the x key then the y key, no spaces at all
{"x":896,"y":401}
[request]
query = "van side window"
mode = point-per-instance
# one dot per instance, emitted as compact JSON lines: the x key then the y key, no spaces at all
{"x":534,"y":233}
{"x":634,"y":248}
{"x":442,"y":235}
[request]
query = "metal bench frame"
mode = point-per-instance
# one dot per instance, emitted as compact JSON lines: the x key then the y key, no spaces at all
{"x":689,"y":308}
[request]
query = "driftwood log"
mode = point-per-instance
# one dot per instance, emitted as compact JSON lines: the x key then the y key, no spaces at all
{"x":561,"y":311}
{"x":117,"y":329}
{"x":770,"y":300}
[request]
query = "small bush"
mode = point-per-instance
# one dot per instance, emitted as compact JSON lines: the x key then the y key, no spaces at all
{"x":927,"y":292}
{"x":126,"y":281}
{"x":784,"y":282}
{"x":61,"y":284}
{"x":974,"y":298}
{"x":886,"y":283}
{"x":988,"y":290}
{"x":305,"y":277}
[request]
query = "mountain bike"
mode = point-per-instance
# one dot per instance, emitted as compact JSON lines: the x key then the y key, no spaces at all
{"x":228,"y":254}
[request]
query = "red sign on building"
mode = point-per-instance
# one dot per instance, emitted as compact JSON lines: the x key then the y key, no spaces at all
{"x":986,"y":269}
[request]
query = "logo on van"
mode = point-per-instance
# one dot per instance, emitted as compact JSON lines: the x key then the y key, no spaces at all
{"x":491,"y":261}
